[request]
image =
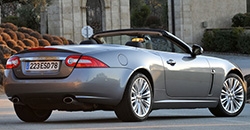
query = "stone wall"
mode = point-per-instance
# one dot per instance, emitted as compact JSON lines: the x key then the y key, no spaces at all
{"x":192,"y":17}
{"x":67,"y":17}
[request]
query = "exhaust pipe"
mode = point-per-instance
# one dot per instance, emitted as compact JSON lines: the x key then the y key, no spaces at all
{"x":68,"y":100}
{"x":15,"y":100}
{"x":83,"y":106}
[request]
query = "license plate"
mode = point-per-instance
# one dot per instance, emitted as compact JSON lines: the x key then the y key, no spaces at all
{"x":43,"y":66}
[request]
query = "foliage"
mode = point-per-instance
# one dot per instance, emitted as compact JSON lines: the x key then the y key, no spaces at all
{"x":27,"y":14}
{"x":241,"y":20}
{"x":232,"y":40}
{"x":8,"y":9}
{"x":244,"y":43}
{"x":11,"y":19}
{"x":208,"y":40}
{"x":158,"y":9}
{"x":139,"y":16}
{"x":165,"y":16}
{"x":29,"y":17}
{"x":153,"y":22}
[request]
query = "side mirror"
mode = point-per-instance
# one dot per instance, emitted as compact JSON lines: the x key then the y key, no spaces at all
{"x":196,"y":50}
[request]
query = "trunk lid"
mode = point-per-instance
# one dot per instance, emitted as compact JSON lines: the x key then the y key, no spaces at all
{"x":43,"y":64}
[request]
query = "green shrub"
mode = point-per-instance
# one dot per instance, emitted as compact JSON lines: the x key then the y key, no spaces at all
{"x":11,"y":19}
{"x":244,"y":43}
{"x":241,"y":20}
{"x":218,"y":40}
{"x":223,"y":40}
{"x":208,"y":40}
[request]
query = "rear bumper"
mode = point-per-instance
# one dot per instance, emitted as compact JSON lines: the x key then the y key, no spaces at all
{"x":103,"y":86}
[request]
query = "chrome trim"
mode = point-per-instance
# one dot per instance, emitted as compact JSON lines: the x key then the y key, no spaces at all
{"x":90,"y":97}
{"x":184,"y":101}
{"x":42,"y":58}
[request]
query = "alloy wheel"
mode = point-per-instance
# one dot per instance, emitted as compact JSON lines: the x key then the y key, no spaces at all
{"x":140,"y":97}
{"x":232,"y":95}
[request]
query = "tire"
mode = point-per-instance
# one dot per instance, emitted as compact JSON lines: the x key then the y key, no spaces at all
{"x":248,"y":93}
{"x":137,"y":100}
{"x":27,"y":114}
{"x":247,"y":78}
{"x":232,"y":98}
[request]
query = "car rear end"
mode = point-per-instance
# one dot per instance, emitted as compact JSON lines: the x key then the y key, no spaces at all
{"x":52,"y":78}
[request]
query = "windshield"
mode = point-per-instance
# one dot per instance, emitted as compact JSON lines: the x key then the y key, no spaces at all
{"x":143,"y":39}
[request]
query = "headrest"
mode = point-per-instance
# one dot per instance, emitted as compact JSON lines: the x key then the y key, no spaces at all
{"x":89,"y":41}
{"x":134,"y":44}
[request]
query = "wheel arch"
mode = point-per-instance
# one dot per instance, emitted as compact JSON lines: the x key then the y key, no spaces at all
{"x":146,"y":73}
{"x":238,"y":72}
{"x":125,"y":110}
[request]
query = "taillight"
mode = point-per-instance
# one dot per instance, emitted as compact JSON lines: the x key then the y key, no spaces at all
{"x":13,"y":62}
{"x":72,"y":60}
{"x":84,"y":62}
{"x":90,"y":62}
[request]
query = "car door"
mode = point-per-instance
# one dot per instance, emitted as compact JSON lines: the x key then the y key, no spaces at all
{"x":185,"y":76}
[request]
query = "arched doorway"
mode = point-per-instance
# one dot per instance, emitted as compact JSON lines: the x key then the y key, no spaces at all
{"x":95,"y":14}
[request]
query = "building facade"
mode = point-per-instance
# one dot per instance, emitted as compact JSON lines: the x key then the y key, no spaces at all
{"x":193,"y":17}
{"x":67,"y":17}
{"x":189,"y":20}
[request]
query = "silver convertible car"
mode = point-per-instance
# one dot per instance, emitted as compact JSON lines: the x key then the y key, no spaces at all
{"x":128,"y":71}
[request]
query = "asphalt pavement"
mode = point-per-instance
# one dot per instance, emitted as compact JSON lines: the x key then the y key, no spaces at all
{"x":165,"y":119}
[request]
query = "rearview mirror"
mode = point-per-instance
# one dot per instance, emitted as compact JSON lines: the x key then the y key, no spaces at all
{"x":196,"y":50}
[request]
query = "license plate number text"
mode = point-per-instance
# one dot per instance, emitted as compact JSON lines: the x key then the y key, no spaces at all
{"x":43,"y":66}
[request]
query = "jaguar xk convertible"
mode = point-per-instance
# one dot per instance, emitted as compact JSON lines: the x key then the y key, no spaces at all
{"x":128,"y":71}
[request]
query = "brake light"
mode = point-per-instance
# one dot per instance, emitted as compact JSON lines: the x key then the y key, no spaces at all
{"x":84,"y":62}
{"x":13,"y":62}
{"x":42,"y":49}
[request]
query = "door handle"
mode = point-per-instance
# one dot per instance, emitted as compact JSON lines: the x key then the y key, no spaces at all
{"x":171,"y":62}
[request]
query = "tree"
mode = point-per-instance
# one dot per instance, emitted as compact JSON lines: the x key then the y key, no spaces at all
{"x":8,"y":8}
{"x":157,"y":9}
{"x":42,"y":5}
{"x":139,"y":16}
{"x":28,"y":13}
